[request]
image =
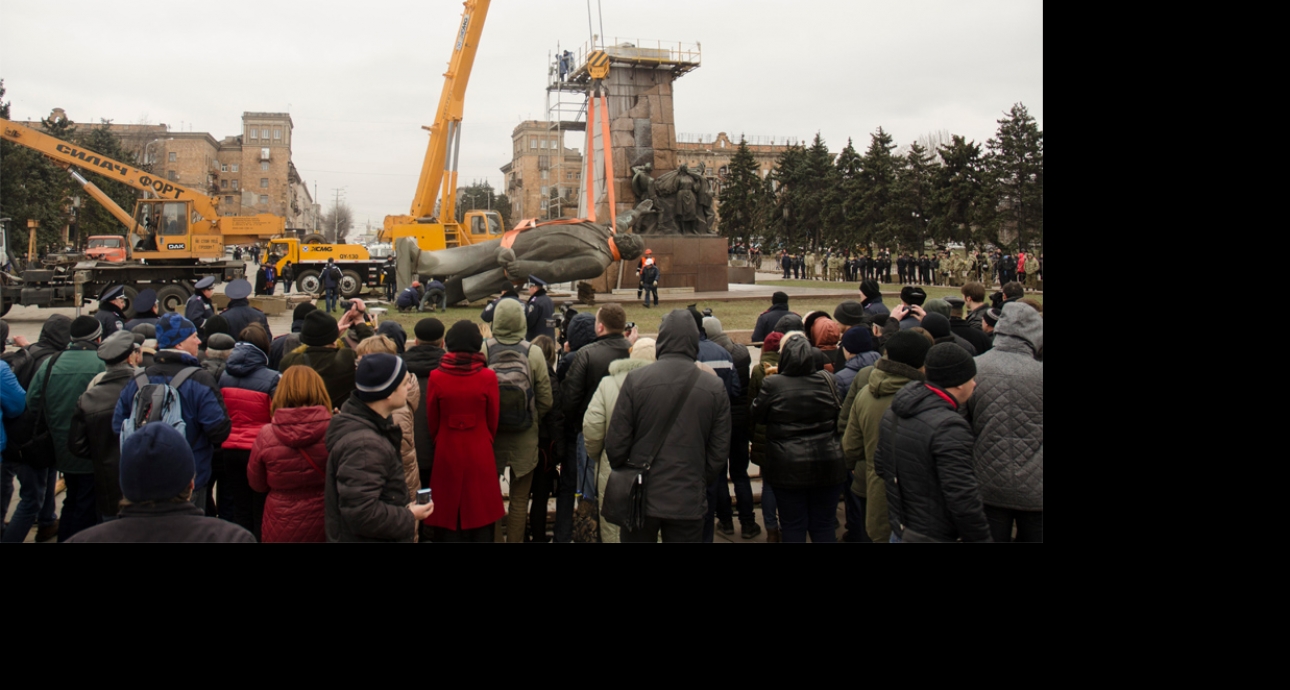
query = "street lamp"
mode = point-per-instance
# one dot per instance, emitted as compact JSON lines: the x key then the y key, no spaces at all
{"x":147,"y":159}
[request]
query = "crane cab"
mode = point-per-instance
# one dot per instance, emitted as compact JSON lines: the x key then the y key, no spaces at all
{"x":171,"y":230}
{"x":483,"y":226}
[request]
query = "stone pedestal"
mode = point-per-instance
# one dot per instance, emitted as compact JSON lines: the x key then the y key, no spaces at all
{"x":684,"y":261}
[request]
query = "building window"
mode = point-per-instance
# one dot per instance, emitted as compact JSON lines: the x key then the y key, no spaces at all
{"x":264,"y":199}
{"x":264,"y":183}
{"x":532,"y":142}
{"x":235,"y":167}
{"x":542,"y":145}
{"x":223,"y":184}
{"x":228,"y":199}
{"x":277,"y":133}
{"x":172,"y":175}
{"x":544,"y":174}
{"x":264,"y":166}
{"x":255,"y":133}
{"x":173,"y":156}
{"x":234,"y":184}
{"x":568,"y":176}
{"x":223,"y":167}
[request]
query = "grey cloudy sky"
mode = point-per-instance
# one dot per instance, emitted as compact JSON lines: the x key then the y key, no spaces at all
{"x":360,"y":78}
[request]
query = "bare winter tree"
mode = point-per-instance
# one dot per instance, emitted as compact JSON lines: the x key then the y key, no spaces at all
{"x":337,"y":223}
{"x":931,"y":141}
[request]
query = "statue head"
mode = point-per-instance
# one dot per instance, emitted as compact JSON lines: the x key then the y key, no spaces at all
{"x":624,"y":222}
{"x":630,"y":246}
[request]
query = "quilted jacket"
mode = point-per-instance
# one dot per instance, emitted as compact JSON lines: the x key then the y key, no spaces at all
{"x":366,"y":495}
{"x":294,"y":509}
{"x":1007,"y":413}
{"x":247,"y":385}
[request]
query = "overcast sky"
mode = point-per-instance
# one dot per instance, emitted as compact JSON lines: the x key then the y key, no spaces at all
{"x":359,"y":79}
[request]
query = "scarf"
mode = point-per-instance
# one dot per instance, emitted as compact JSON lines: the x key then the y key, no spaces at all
{"x":462,"y":363}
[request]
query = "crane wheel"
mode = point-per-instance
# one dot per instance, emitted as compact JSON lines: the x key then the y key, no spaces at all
{"x":351,"y":284}
{"x":172,"y":297}
{"x":313,"y":238}
{"x":307,"y":281}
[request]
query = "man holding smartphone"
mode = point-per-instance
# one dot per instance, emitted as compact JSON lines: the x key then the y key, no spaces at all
{"x":366,"y":493}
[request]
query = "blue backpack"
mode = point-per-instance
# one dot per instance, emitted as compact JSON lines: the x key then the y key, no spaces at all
{"x":156,"y":402}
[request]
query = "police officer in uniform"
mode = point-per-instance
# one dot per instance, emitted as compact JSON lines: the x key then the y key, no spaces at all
{"x":539,"y":310}
{"x":199,"y":306}
{"x":240,"y":313}
{"x":111,"y":313}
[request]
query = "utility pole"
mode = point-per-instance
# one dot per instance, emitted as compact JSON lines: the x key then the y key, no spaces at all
{"x":335,"y":215}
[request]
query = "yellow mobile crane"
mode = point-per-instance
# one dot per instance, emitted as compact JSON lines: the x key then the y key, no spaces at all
{"x":173,"y":240}
{"x":439,"y":170}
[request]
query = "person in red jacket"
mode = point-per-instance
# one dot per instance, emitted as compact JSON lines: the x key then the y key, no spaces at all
{"x":289,"y":459}
{"x":462,"y":408}
{"x":247,"y":386}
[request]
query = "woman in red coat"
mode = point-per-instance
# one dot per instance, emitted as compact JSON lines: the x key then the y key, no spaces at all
{"x":461,"y":404}
{"x":289,"y":460}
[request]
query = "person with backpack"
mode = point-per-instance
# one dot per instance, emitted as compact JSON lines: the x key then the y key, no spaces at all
{"x":37,"y":491}
{"x":524,"y":393}
{"x":331,"y":276}
{"x":649,"y":281}
{"x":53,"y":392}
{"x":91,"y":432}
{"x":177,"y":376}
{"x":462,"y":406}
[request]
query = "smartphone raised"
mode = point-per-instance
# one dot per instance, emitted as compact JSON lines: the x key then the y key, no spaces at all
{"x":423,"y":496}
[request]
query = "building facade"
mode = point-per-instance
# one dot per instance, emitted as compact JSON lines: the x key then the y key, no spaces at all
{"x":544,"y":177}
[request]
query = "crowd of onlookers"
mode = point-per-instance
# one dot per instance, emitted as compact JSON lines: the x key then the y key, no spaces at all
{"x":925,"y":420}
{"x":949,"y":268}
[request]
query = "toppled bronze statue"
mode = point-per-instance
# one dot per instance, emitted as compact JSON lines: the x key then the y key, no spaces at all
{"x":555,"y":252}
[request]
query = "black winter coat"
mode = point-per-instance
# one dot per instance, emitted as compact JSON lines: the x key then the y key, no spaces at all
{"x":766,"y":322}
{"x":799,"y":407}
{"x":335,"y":365}
{"x":925,"y":457}
{"x":241,"y":314}
{"x":695,"y":449}
{"x":169,"y":522}
{"x":366,"y":494}
{"x":421,"y":360}
{"x":590,"y":364}
{"x":92,"y":437}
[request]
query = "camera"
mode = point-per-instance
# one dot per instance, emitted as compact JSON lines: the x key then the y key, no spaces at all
{"x":707,"y":312}
{"x":628,"y":328}
{"x":346,"y":305}
{"x":552,"y":323}
{"x":423,"y":496}
{"x":567,"y":309}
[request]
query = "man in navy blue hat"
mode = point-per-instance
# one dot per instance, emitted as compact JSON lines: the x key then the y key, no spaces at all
{"x":145,"y":309}
{"x":200,"y":307}
{"x":111,"y":313}
{"x":539,"y":311}
{"x":239,"y":314}
{"x":157,"y":478}
{"x":200,"y":403}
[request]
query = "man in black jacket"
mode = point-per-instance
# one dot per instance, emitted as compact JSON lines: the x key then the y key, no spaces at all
{"x":719,"y":492}
{"x":239,"y":314}
{"x":589,"y":365}
{"x":694,"y":449}
{"x":91,"y":435}
{"x":422,"y":358}
{"x":157,"y":472}
{"x":924,"y":454}
{"x":767,"y":320}
{"x":365,"y":491}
